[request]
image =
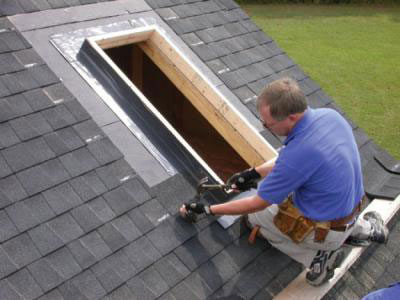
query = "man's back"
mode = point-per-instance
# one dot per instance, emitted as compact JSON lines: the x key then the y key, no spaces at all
{"x":321,"y":164}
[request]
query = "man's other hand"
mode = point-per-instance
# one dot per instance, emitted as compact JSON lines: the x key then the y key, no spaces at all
{"x":198,"y":208}
{"x":244,"y":181}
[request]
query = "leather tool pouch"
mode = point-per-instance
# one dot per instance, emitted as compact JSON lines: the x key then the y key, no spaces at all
{"x":321,"y":231}
{"x":291,"y":222}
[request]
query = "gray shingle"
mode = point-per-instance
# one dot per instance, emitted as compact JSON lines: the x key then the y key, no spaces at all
{"x":101,"y":209}
{"x":8,"y":292}
{"x":114,"y":270}
{"x":25,"y":284}
{"x":11,"y":191}
{"x":217,"y":66}
{"x":63,"y":263}
{"x":89,"y":249}
{"x":7,"y":228}
{"x":45,"y":239}
{"x":79,"y":161}
{"x":59,"y":117}
{"x":41,"y":177}
{"x":140,"y":220}
{"x":9,"y":64}
{"x":205,"y":52}
{"x":85,"y":286}
{"x":7,"y":136}
{"x":58,"y":93}
{"x":86,"y":217}
{"x":187,"y":10}
{"x":45,"y":275}
{"x":25,"y":155}
{"x":143,"y":286}
{"x":21,"y":250}
{"x":88,"y":186}
{"x":26,"y":80}
{"x":64,"y":140}
{"x":203,"y":246}
{"x":38,"y":100}
{"x":4,"y":91}
{"x":88,"y":130}
{"x":13,"y":106}
{"x":28,"y":57}
{"x":228,"y":4}
{"x":62,"y":198}
{"x":9,"y":7}
{"x":213,"y":34}
{"x":13,"y":86}
{"x":6,"y":265}
{"x":30,"y":126}
{"x":12,"y":40}
{"x":142,"y":253}
{"x":171,"y":192}
{"x":120,"y":200}
{"x":207,"y":6}
{"x":171,"y":269}
{"x":165,"y":238}
{"x":237,"y":28}
{"x":115,"y":173}
{"x":122,"y":292}
{"x":65,"y":227}
{"x":126,"y":227}
{"x":154,"y":211}
{"x":43,"y":75}
{"x":104,"y":151}
{"x":4,"y":168}
{"x":22,"y":215}
{"x":113,"y":238}
{"x":77,"y":110}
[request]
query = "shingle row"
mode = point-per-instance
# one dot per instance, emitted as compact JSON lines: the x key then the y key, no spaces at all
{"x":14,"y":7}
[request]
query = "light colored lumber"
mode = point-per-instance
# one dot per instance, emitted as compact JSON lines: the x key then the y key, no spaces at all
{"x":113,"y":40}
{"x":300,"y":289}
{"x":208,"y":101}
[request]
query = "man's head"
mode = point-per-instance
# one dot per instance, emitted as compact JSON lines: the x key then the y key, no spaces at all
{"x":281,"y":105}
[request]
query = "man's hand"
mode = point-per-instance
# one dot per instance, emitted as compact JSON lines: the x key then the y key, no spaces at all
{"x":245,"y":180}
{"x":198,"y":208}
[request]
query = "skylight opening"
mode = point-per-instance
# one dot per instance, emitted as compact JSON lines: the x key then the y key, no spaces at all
{"x":188,"y":105}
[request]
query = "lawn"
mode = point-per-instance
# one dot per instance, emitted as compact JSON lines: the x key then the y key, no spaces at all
{"x":353,"y":52}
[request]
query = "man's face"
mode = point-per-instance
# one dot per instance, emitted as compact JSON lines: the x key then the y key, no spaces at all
{"x":281,"y":128}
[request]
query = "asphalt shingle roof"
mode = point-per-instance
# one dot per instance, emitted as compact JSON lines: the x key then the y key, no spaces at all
{"x":77,"y":222}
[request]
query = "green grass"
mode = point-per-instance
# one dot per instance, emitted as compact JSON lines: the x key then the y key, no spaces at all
{"x":353,"y":52}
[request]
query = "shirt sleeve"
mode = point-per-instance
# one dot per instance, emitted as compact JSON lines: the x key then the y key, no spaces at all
{"x":280,"y":182}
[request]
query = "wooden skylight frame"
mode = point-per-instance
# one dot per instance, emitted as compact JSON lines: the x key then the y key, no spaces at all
{"x":205,"y":97}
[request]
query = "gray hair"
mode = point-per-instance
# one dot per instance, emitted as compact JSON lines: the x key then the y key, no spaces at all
{"x":284,"y":97}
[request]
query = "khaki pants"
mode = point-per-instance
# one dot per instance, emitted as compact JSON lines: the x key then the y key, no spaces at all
{"x":305,"y":251}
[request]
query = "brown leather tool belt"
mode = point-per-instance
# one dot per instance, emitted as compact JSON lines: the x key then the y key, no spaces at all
{"x":290,"y":221}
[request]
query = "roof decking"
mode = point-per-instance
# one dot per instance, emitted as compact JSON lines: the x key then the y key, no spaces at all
{"x":78,"y":222}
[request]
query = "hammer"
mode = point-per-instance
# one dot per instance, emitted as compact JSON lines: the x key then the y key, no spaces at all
{"x":202,"y":187}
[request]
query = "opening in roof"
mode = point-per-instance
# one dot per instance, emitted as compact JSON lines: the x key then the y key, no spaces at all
{"x":185,"y":102}
{"x":178,"y":110}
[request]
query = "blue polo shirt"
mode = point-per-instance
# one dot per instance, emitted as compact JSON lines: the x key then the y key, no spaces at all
{"x":320,"y":164}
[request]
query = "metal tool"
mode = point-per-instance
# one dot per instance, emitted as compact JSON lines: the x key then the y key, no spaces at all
{"x":202,"y":187}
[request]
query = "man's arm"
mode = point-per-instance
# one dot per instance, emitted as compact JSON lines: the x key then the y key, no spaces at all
{"x":240,"y":207}
{"x":266,"y":167}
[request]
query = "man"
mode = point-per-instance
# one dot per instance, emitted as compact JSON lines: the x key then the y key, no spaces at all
{"x":319,"y":170}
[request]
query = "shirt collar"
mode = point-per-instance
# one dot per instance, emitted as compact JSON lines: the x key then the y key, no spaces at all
{"x":301,"y":125}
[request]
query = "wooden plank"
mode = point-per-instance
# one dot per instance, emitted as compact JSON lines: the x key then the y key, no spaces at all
{"x":237,"y":132}
{"x":300,"y":289}
{"x":116,"y":40}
